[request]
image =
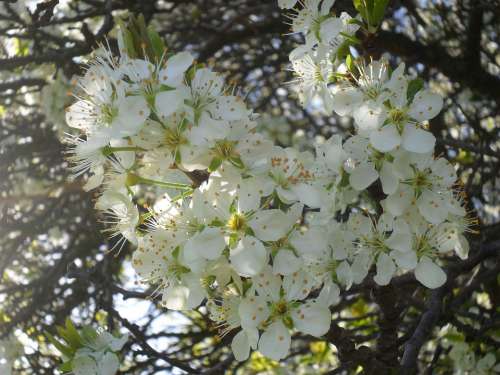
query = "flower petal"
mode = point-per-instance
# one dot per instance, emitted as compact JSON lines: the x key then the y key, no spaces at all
{"x":249,"y":256}
{"x":385,"y":139}
{"x":385,"y":269}
{"x":275,"y":341}
{"x":417,"y":140}
{"x":240,"y":346}
{"x":208,"y":244}
{"x":312,"y":319}
{"x":426,"y":105}
{"x":362,"y":177}
{"x":429,"y":273}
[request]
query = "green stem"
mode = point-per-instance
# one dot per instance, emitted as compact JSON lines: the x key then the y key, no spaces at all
{"x":134,"y":179}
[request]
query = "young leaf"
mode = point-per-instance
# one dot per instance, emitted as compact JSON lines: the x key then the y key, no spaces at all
{"x":72,"y":335}
{"x":378,"y":11}
{"x":65,"y":350}
{"x":157,"y":43}
{"x":349,"y":63}
{"x":66,"y":366}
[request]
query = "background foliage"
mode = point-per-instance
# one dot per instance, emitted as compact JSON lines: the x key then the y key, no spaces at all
{"x":53,"y":259}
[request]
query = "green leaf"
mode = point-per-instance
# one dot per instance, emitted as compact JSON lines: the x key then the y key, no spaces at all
{"x":349,"y":63}
{"x":72,"y":335}
{"x":65,"y":350}
{"x":214,"y":164}
{"x":414,"y":86}
{"x":156,"y":43}
{"x":66,"y":366}
{"x":128,"y":40}
{"x":343,"y":50}
{"x":378,"y":11}
{"x":351,"y":38}
{"x":365,"y":8}
{"x":88,"y":334}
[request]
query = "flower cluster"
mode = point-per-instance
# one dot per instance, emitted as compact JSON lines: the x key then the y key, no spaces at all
{"x":254,"y":229}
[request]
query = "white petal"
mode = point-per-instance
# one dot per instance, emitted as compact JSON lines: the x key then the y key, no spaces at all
{"x":228,"y":108}
{"x":344,"y":274}
{"x":249,"y":256}
{"x":417,"y":140}
{"x":251,"y":191}
{"x":426,"y":105}
{"x":432,"y":207}
{"x":369,"y":116}
{"x":268,"y":284}
{"x":270,"y":225}
{"x":345,"y":99}
{"x":253,"y":310}
{"x":445,"y":170}
{"x":208,"y":244}
{"x":388,"y":178}
{"x":429,"y":273}
{"x":329,"y":294}
{"x":312,"y":319}
{"x":207,"y":83}
{"x":240,"y":346}
{"x":385,"y":269}
{"x":132,"y":113}
{"x":385,"y":139}
{"x":173,"y":74}
{"x":360,"y":266}
{"x":286,"y":263}
{"x":308,"y":194}
{"x":330,"y":29}
{"x":175,"y":297}
{"x":400,"y":241}
{"x":298,"y":285}
{"x":275,"y":341}
{"x":362,"y":177}
{"x":167,"y":102}
{"x":398,"y":202}
{"x":407,"y":261}
{"x":312,"y":242}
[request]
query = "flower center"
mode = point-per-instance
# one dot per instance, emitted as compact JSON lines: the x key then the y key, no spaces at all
{"x":225,"y":149}
{"x":173,"y":138}
{"x":397,"y":117}
{"x":280,"y":307}
{"x":108,"y":113}
{"x":236,"y":223}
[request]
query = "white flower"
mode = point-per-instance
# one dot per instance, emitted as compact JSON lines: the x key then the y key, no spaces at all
{"x":309,"y":18}
{"x":292,"y":174}
{"x":425,"y":182}
{"x":121,"y":214}
{"x":314,"y":72}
